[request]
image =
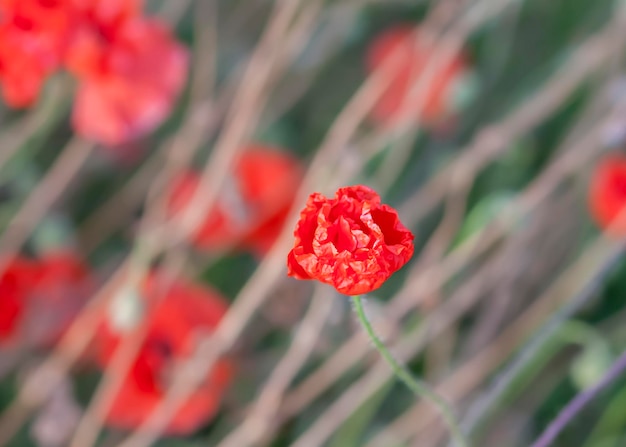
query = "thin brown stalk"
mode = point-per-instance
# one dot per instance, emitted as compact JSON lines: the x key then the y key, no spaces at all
{"x":43,"y":197}
{"x":14,"y":136}
{"x":173,"y":11}
{"x":255,"y":427}
{"x":438,"y":352}
{"x":240,"y":121}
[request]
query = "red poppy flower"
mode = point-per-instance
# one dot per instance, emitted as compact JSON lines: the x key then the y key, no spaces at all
{"x":352,"y":242}
{"x":255,"y":205}
{"x":175,"y":323}
{"x":607,"y":193}
{"x":128,"y":82}
{"x":397,"y":104}
{"x":33,"y":37}
{"x":38,"y":298}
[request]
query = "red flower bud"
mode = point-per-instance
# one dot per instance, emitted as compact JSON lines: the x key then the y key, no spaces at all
{"x":607,"y":193}
{"x":352,"y":242}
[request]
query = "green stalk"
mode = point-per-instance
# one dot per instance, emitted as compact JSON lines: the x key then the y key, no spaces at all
{"x":420,"y":388}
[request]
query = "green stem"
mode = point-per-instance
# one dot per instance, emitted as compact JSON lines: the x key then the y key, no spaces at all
{"x":420,"y":388}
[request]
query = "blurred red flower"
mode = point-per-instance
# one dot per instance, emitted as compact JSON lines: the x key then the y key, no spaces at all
{"x":127,"y":83}
{"x":39,"y":298}
{"x":33,"y":37}
{"x":255,"y":204}
{"x":175,"y":322}
{"x":607,"y":193}
{"x":352,"y":242}
{"x":130,"y":69}
{"x":411,"y":54}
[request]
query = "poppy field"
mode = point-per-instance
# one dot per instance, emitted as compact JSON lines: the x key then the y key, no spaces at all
{"x":320,"y":223}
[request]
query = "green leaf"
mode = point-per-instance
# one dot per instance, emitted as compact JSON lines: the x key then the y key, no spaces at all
{"x":483,"y":212}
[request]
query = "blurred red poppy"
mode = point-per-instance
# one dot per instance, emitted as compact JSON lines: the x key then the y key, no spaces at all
{"x":255,"y":204}
{"x":352,"y":242}
{"x":127,"y":84}
{"x":607,"y":194}
{"x":33,"y":37}
{"x":411,"y":54}
{"x":115,"y":53}
{"x":176,"y":321}
{"x":39,"y":298}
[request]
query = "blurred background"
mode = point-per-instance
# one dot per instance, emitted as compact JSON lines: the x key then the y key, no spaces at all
{"x":154,"y":158}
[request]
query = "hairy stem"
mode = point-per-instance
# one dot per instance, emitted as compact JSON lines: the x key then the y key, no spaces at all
{"x":420,"y":388}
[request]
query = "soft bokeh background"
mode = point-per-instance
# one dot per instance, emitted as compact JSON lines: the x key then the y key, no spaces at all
{"x":514,"y":301}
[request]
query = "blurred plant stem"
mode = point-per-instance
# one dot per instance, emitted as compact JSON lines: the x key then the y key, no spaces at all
{"x":579,"y":402}
{"x":31,"y":131}
{"x":420,"y":388}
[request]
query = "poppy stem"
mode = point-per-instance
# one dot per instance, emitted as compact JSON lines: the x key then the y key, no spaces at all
{"x":420,"y":388}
